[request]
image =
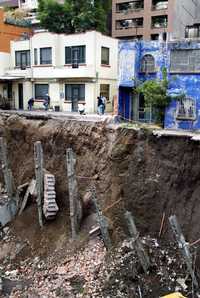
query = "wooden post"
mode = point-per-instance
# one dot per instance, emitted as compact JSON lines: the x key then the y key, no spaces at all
{"x":7,"y":173}
{"x":183,"y":246}
{"x":73,"y":192}
{"x":39,"y":174}
{"x":103,"y":224}
{"x":142,"y":255}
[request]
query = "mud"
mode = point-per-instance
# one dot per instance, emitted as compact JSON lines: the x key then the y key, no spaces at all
{"x":150,"y":175}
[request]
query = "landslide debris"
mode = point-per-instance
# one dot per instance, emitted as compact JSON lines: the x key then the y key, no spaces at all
{"x":90,"y":271}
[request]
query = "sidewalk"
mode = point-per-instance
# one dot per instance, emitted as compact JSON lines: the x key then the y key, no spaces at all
{"x":61,"y":115}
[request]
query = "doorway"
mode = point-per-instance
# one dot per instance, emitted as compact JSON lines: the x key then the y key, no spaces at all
{"x":20,"y":96}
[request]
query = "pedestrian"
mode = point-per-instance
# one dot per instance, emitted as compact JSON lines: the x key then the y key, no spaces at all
{"x":103,"y":99}
{"x":30,"y":104}
{"x":47,"y":102}
{"x":99,"y":105}
{"x":81,"y":108}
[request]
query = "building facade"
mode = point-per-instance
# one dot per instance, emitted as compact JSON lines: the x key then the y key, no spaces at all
{"x":141,"y":61}
{"x":153,"y":19}
{"x":71,"y":69}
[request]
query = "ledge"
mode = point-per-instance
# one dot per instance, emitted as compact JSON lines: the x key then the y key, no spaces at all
{"x":105,"y":65}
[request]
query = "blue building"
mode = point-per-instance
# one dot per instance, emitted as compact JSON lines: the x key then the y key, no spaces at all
{"x":140,"y":61}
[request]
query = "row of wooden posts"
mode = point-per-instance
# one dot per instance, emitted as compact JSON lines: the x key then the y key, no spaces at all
{"x":75,"y":208}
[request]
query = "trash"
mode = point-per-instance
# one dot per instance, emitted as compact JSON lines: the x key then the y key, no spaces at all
{"x":174,"y":295}
{"x":181,"y":282}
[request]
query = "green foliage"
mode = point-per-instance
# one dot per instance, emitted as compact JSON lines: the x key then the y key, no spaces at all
{"x":74,"y":15}
{"x":155,"y":95}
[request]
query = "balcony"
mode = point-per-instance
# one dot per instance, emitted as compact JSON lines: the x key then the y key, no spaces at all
{"x":129,"y":23}
{"x":159,"y":5}
{"x":159,"y":22}
{"x":130,"y":7}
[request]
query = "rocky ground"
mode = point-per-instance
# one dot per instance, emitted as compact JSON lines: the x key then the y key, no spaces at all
{"x":91,"y":271}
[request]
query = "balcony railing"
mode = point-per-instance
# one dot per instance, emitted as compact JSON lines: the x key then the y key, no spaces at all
{"x":161,"y":5}
{"x":127,"y":24}
{"x":130,"y":7}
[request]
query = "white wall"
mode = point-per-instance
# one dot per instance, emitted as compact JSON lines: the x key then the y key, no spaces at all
{"x":111,"y":71}
{"x":186,"y":13}
{"x":4,"y":62}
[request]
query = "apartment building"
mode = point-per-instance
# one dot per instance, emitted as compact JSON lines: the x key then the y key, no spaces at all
{"x":153,"y":19}
{"x":71,"y":69}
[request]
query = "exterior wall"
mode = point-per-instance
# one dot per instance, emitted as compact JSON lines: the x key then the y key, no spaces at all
{"x":186,"y":13}
{"x":4,"y":62}
{"x":179,"y":83}
{"x":92,"y":73}
{"x":8,"y":33}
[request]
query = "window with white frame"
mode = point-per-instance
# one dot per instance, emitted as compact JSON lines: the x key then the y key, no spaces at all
{"x":75,"y":54}
{"x":46,"y":56}
{"x":186,"y":109}
{"x":105,"y":56}
{"x":22,"y":58}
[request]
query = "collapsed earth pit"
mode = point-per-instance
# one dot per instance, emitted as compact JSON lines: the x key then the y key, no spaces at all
{"x":132,"y":170}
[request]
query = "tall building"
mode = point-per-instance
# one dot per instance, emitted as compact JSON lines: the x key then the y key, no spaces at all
{"x":150,"y":19}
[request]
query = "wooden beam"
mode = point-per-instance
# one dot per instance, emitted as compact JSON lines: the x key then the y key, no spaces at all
{"x":142,"y":255}
{"x":183,"y":246}
{"x":73,"y":193}
{"x":39,"y":174}
{"x":103,"y":224}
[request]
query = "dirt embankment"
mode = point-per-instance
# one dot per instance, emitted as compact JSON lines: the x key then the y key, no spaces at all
{"x":147,"y":175}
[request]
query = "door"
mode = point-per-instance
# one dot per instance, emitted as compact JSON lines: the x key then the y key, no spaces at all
{"x":75,"y":97}
{"x":20,"y":95}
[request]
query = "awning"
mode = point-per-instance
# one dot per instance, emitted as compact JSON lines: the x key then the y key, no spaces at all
{"x":9,"y":78}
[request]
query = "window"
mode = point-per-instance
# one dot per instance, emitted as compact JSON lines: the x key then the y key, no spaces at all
{"x":183,"y":61}
{"x":22,"y":58}
{"x":130,"y":6}
{"x":129,"y":23}
{"x":41,"y":90}
{"x":105,"y":56}
{"x":72,"y":90}
{"x":105,"y":91}
{"x":75,"y":55}
{"x":46,"y":56}
{"x":186,"y":109}
{"x":35,"y":57}
{"x":148,"y":64}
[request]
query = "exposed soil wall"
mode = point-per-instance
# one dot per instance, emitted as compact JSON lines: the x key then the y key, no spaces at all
{"x":147,"y":175}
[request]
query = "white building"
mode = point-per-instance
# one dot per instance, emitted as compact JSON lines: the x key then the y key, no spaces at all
{"x":72,"y":69}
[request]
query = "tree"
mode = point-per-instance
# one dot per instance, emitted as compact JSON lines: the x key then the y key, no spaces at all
{"x":156,"y":95}
{"x":74,"y":15}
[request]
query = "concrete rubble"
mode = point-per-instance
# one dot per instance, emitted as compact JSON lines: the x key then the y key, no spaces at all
{"x":91,"y":271}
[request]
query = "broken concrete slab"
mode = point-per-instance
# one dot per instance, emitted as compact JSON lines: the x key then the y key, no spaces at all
{"x":8,"y":211}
